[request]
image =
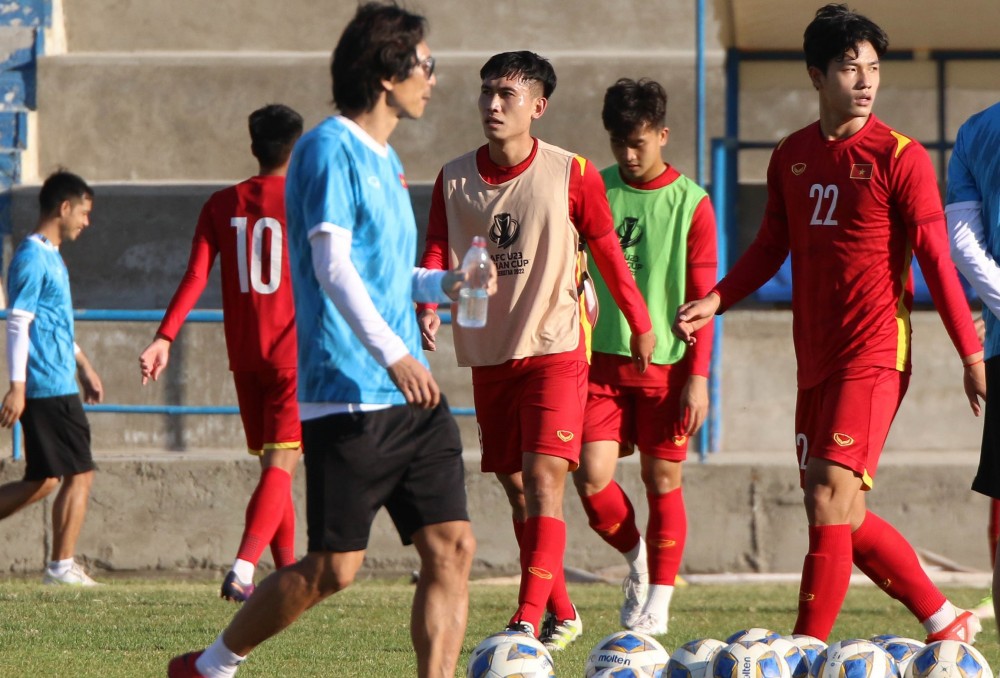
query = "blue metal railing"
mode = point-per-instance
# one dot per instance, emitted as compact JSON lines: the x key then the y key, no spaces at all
{"x":104,"y":315}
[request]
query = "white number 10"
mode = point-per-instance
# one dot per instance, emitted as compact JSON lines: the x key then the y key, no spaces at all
{"x":274,"y":279}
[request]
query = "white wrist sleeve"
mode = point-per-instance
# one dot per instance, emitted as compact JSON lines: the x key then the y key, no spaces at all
{"x":427,"y":286}
{"x":18,"y":340}
{"x":331,"y":259}
{"x":968,"y":251}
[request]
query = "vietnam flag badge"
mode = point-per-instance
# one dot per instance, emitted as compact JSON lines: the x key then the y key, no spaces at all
{"x":862,"y":170}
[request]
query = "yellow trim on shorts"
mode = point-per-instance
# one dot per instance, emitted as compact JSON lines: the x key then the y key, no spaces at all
{"x":867,"y":482}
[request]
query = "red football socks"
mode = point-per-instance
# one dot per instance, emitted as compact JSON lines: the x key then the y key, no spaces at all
{"x":885,"y":556}
{"x":265,"y":512}
{"x":283,"y":543}
{"x":666,"y":535}
{"x":543,"y":545}
{"x":826,"y":575}
{"x":612,"y":516}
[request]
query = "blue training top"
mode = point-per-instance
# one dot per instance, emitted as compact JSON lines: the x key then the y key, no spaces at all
{"x":340,"y":178}
{"x":974,"y":176}
{"x":39,"y":284}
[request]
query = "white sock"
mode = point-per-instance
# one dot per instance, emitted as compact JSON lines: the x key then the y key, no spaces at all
{"x":60,"y":567}
{"x":218,"y":661}
{"x":940,"y":619}
{"x":658,"y":601}
{"x":244,"y":569}
{"x":636,"y":558}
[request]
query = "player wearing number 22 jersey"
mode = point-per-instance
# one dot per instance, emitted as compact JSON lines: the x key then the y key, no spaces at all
{"x":851,"y":212}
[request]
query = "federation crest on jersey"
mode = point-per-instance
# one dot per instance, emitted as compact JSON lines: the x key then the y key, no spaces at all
{"x":798,"y":168}
{"x":629,"y":233}
{"x":860,"y":170}
{"x":402,"y":180}
{"x":505,"y":230}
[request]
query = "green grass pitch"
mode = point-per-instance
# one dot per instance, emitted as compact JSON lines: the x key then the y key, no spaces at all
{"x":131,"y":628}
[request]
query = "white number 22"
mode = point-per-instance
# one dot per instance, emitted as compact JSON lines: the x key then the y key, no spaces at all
{"x":821,"y":193}
{"x":255,"y":278}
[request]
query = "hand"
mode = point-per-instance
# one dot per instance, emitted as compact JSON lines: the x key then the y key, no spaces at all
{"x":694,"y":315}
{"x":429,"y":322}
{"x":980,"y":326}
{"x":642,"y":346}
{"x":93,"y":389}
{"x":415,"y":382}
{"x":452,"y":281}
{"x":694,"y":404}
{"x":13,"y":405}
{"x":154,"y":359}
{"x":974,"y":383}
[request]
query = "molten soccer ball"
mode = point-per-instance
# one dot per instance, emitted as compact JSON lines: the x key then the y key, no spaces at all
{"x":811,"y":646}
{"x":691,"y":660}
{"x":509,"y":658}
{"x":949,"y":659}
{"x":753,"y":634}
{"x":748,"y":659}
{"x":624,"y":672}
{"x":492,"y":641}
{"x":794,"y":656}
{"x":854,"y":659}
{"x":901,"y":649}
{"x":627,"y":650}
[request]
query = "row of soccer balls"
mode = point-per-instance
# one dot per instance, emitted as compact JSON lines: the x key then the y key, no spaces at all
{"x":750,"y":653}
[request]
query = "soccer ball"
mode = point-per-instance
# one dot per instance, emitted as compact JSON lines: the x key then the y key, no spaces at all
{"x":748,"y":659}
{"x":901,"y":649}
{"x":623,"y":672}
{"x":509,"y":658}
{"x":691,"y":660}
{"x":753,"y":634}
{"x":627,"y":650}
{"x":492,"y":641}
{"x":794,"y":656}
{"x":811,"y":646}
{"x":949,"y":659}
{"x":854,"y":658}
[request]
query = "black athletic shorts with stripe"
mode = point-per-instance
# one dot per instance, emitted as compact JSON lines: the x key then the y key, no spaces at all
{"x":56,"y":438}
{"x":404,"y":458}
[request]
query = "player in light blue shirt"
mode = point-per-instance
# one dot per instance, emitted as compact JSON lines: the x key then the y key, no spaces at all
{"x":375,"y":429}
{"x":972,"y":206}
{"x":44,"y":363}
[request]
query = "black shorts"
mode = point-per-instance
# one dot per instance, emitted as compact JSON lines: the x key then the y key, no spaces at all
{"x":56,"y":438}
{"x":987,"y":479}
{"x":406,"y":459}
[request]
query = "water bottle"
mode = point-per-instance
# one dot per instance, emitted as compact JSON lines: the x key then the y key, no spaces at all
{"x":472,"y":297}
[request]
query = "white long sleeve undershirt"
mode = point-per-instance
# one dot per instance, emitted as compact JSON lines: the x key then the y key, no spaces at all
{"x":18,"y":341}
{"x":968,"y":251}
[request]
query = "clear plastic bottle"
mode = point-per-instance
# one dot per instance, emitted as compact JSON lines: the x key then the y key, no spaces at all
{"x":472,"y":297}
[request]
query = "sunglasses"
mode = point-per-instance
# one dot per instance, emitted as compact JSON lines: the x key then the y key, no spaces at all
{"x":427,"y":66}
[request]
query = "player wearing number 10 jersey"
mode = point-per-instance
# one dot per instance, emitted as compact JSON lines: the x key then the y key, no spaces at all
{"x":851,"y":199}
{"x":245,"y":226}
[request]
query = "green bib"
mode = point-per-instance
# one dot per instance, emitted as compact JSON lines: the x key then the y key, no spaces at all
{"x":652,"y":229}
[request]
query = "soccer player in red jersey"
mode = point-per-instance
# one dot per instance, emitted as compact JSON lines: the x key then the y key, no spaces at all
{"x":245,"y":225}
{"x":850,"y":198}
{"x":666,"y":229}
{"x":534,"y":203}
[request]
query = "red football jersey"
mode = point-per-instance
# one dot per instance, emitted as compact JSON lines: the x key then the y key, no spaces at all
{"x":245,"y":224}
{"x":851,"y":212}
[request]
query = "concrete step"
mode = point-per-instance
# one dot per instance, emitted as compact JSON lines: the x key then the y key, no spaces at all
{"x":744,"y":516}
{"x":256,"y":25}
{"x":182,"y":117}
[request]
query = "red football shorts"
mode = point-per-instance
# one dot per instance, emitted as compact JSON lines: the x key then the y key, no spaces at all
{"x":846,"y":418}
{"x":269,"y":409}
{"x":537,"y":408}
{"x":648,"y":416}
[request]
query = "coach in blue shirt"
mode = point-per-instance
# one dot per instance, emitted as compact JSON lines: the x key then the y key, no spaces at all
{"x":44,"y":362}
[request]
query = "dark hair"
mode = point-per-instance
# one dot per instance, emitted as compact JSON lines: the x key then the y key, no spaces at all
{"x":274,"y":129}
{"x":60,"y":187}
{"x":629,"y":105}
{"x":836,"y":30}
{"x":379,"y":43}
{"x":523,"y":65}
